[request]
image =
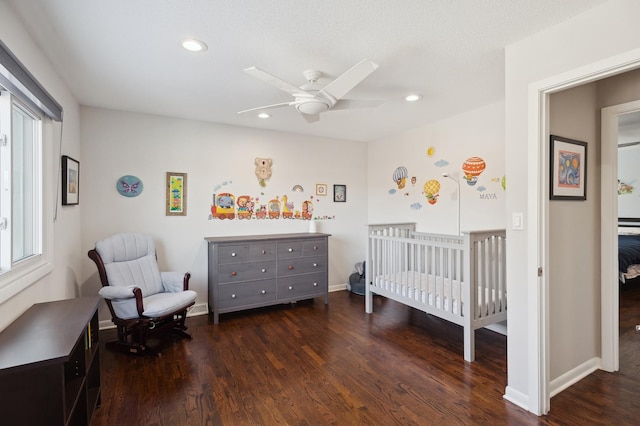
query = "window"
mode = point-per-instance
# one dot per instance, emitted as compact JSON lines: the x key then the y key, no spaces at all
{"x":22,"y":259}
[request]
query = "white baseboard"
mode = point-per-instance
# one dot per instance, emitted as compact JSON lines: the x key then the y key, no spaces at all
{"x":338,"y":287}
{"x":516,"y":397}
{"x":105,"y":325}
{"x":199,"y":309}
{"x":573,"y":376}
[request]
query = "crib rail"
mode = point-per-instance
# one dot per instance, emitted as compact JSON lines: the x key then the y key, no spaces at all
{"x":488,"y":268}
{"x":435,"y":270}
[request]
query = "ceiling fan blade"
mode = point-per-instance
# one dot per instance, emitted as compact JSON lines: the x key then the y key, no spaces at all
{"x":357,"y":103}
{"x":284,"y":104}
{"x":350,"y":79}
{"x":275,"y":81}
{"x":311,"y":118}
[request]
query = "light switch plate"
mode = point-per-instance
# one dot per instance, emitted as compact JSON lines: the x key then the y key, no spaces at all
{"x":517,"y":221}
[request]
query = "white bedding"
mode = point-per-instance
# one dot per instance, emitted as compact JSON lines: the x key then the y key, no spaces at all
{"x":425,"y":286}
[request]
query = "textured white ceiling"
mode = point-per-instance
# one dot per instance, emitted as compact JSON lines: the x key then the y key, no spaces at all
{"x":126,"y":55}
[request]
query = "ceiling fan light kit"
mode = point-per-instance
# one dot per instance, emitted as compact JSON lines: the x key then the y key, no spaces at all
{"x":312,"y":99}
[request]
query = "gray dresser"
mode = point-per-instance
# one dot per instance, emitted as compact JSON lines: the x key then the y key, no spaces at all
{"x":259,"y":270}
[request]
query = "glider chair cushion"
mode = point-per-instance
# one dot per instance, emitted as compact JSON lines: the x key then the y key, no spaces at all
{"x":142,"y":300}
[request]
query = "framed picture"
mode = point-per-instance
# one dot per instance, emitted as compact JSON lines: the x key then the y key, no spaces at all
{"x":176,"y":194}
{"x":568,"y":169}
{"x":339,"y":193}
{"x":321,"y":189}
{"x":70,"y":181}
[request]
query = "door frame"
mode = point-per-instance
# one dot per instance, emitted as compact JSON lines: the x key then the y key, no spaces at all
{"x":609,"y":231}
{"x":538,"y":211}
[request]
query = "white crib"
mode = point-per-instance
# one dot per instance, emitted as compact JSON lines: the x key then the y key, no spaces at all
{"x":436,"y":273}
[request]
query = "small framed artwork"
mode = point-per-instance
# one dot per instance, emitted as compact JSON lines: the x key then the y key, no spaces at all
{"x":339,"y":193}
{"x":176,"y":194}
{"x":568,"y":166}
{"x":70,"y":181}
{"x":321,"y":189}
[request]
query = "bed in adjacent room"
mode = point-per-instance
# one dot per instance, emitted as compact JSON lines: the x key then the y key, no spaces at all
{"x":628,"y":252}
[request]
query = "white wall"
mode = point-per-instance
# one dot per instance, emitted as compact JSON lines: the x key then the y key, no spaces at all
{"x":62,"y":283}
{"x":216,"y":158}
{"x":585,"y":40}
{"x":478,"y":133}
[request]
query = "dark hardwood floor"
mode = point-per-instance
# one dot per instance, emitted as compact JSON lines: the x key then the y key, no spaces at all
{"x":311,"y":364}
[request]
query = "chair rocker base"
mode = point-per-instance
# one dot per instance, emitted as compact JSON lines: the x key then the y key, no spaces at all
{"x":133,"y":335}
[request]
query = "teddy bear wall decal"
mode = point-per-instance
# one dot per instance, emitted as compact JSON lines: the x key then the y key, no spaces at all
{"x":263,"y":170}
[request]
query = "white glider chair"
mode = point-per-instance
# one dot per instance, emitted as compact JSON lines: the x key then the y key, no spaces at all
{"x":142,"y":300}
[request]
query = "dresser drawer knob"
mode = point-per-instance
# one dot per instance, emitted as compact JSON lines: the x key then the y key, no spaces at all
{"x":264,"y":270}
{"x":290,"y":267}
{"x":315,"y":247}
{"x":264,"y":292}
{"x":315,"y":264}
{"x":290,"y":287}
{"x":264,"y":252}
{"x":233,"y":296}
{"x":233,"y":255}
{"x":315,"y":284}
{"x":290,"y":250}
{"x":234,"y":273}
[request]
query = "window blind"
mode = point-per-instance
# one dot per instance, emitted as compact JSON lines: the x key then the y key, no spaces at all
{"x":15,"y":77}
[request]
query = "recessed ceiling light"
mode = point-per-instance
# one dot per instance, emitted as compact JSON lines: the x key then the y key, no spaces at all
{"x":194,"y":45}
{"x":413,"y":98}
{"x":263,"y":115}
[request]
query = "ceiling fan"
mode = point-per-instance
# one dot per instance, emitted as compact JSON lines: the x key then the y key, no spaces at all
{"x":311,"y":99}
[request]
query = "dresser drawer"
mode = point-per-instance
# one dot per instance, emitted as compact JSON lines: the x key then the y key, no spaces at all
{"x":233,"y":254}
{"x":250,"y":271}
{"x":290,"y":249}
{"x":314,"y":247}
{"x":260,"y":252}
{"x":302,"y":265}
{"x":247,"y":294}
{"x":296,"y":287}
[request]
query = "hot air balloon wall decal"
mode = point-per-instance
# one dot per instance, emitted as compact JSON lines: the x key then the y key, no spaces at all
{"x":400,"y":176}
{"x":472,"y":168}
{"x":431,"y":190}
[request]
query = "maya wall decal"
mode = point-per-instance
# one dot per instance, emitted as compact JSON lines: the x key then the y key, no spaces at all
{"x":129,"y":186}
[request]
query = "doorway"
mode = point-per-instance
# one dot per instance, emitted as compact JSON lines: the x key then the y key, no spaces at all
{"x":539,"y":394}
{"x":609,"y":216}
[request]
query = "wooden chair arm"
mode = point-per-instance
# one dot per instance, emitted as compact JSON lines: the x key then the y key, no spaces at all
{"x":185,"y":281}
{"x":139,"y":305}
